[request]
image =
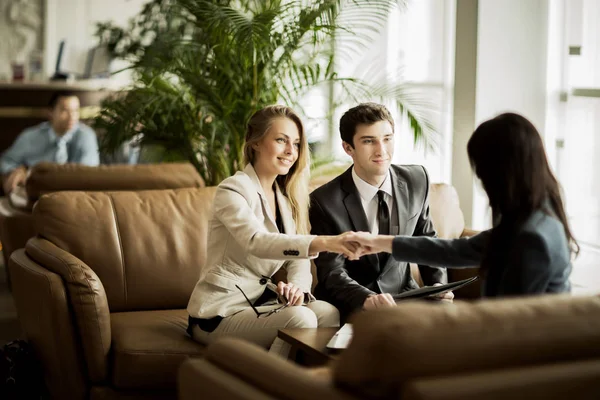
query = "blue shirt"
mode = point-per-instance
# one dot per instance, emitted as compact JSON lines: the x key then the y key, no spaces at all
{"x":40,"y":143}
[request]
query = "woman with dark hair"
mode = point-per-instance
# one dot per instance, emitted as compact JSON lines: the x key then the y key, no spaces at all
{"x":528,"y":251}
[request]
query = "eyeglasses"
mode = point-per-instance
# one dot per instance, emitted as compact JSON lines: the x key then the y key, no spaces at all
{"x":263,"y":314}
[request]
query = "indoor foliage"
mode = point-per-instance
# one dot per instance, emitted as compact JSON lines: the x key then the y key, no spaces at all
{"x":201,"y":68}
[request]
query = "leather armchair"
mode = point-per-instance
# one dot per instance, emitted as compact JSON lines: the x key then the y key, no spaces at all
{"x":526,"y":348}
{"x":16,"y":224}
{"x":101,"y":291}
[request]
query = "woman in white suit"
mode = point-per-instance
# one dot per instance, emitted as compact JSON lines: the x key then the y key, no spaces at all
{"x":260,"y":224}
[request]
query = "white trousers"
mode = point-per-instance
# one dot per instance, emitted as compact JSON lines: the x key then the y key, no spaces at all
{"x":263,"y":331}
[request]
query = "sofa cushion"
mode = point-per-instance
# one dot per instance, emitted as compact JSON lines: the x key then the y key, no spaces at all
{"x":148,"y":348}
{"x":393,"y":346}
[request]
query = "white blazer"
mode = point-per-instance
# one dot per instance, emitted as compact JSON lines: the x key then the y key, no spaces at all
{"x":244,"y":245}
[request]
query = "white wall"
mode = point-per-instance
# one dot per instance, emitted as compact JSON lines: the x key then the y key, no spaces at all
{"x":510,"y":75}
{"x":75,"y":21}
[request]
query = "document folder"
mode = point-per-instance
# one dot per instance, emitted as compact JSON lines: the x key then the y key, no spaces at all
{"x":427,"y":291}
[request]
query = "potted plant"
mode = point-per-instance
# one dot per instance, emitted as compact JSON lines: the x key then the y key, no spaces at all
{"x":201,"y":68}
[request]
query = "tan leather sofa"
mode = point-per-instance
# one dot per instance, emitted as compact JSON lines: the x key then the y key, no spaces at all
{"x":16,"y":224}
{"x":101,"y":290}
{"x":530,"y":348}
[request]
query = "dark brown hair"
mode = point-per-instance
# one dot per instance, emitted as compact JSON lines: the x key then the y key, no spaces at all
{"x":364,"y":113}
{"x":58,"y":95}
{"x":508,"y":156}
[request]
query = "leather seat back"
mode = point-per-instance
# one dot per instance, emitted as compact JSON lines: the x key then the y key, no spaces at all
{"x":147,"y":247}
{"x":50,"y":177}
{"x":446,"y":215}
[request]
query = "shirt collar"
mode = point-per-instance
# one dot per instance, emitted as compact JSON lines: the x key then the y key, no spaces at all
{"x":368,"y":191}
{"x":54,"y":138}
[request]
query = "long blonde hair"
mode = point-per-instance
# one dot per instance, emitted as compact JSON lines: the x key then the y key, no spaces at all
{"x":294,"y":184}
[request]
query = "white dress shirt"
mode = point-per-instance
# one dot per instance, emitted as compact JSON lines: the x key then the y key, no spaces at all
{"x":369,"y":200}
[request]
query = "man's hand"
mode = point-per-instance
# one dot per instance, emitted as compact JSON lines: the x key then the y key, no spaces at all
{"x":293,"y":294}
{"x":383,"y":300}
{"x":369,"y":243}
{"x":15,"y":178}
{"x":446,"y":297}
{"x":336,"y":244}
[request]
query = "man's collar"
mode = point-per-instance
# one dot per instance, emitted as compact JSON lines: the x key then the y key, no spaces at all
{"x":54,"y":137}
{"x":367,"y":191}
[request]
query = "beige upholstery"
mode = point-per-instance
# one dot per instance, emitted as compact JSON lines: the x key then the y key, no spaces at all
{"x":406,"y":343}
{"x":113,"y":272}
{"x":16,"y":223}
{"x":544,"y":347}
{"x":49,"y":177}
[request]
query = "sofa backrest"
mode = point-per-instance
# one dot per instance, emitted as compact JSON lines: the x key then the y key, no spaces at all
{"x":147,"y":247}
{"x":50,"y":177}
{"x":394,"y":346}
{"x":444,"y":207}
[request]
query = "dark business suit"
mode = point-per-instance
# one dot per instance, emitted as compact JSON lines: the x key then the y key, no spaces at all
{"x":336,"y":207}
{"x":532,"y":259}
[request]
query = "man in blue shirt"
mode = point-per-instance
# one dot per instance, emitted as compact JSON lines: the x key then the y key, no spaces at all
{"x":62,"y":139}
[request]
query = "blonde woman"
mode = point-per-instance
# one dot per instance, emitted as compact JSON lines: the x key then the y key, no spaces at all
{"x":260,"y":224}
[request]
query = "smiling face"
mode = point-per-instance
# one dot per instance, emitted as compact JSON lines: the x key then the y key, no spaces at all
{"x":278,"y":150}
{"x":373,"y":151}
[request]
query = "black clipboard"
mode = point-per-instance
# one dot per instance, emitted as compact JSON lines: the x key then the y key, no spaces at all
{"x":427,"y":291}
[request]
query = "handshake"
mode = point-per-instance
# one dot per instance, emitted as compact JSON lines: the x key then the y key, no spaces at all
{"x":354,"y":245}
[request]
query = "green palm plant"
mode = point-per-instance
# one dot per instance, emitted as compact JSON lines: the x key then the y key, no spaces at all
{"x":203,"y":67}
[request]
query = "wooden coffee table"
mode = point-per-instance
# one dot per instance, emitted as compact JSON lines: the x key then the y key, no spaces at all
{"x":309,"y":346}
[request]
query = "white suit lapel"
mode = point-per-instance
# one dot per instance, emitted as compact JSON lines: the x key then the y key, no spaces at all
{"x":266,"y":210}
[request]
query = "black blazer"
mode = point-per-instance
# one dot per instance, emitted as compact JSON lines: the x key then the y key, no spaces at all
{"x":336,"y":208}
{"x":535,"y":259}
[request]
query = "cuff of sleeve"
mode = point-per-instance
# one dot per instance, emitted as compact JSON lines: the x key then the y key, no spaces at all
{"x":307,"y":239}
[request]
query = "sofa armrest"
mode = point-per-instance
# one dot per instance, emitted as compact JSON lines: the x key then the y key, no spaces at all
{"x":275,"y":376}
{"x":41,"y":301}
{"x":87,"y":300}
{"x":575,"y":380}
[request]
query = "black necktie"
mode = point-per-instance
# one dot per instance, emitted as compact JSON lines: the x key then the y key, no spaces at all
{"x":383,"y":219}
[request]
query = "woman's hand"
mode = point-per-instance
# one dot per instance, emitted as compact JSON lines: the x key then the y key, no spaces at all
{"x":336,"y":244}
{"x":369,"y":243}
{"x":293,"y":294}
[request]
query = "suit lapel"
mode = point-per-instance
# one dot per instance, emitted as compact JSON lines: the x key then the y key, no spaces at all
{"x":401,"y":202}
{"x":270,"y":223}
{"x":399,"y":224}
{"x":355,"y":210}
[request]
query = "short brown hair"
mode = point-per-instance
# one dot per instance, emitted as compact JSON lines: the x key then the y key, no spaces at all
{"x":56,"y":96}
{"x":364,"y":113}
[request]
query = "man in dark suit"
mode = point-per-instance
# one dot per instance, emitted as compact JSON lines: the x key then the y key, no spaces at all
{"x":375,"y":196}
